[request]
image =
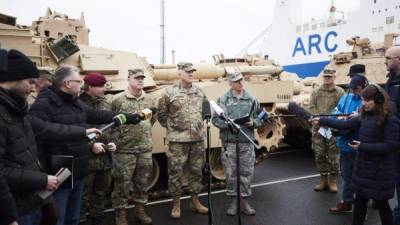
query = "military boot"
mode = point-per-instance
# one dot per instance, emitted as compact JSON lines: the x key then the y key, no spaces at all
{"x":141,"y":215}
{"x":323,"y":183}
{"x":196,"y":206}
{"x":120,"y":217}
{"x":232,"y":209}
{"x":246,"y":207}
{"x":176,"y":208}
{"x":332,"y":183}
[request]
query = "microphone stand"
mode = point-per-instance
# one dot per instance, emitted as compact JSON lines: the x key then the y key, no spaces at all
{"x":207,"y":172}
{"x":237,"y":130}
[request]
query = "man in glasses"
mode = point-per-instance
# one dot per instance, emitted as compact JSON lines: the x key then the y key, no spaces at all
{"x":60,"y":104}
{"x":392,"y":87}
{"x":323,"y":100}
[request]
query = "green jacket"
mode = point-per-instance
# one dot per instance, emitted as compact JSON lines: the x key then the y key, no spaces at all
{"x":180,"y":111}
{"x":234,"y":108}
{"x":103,"y":161}
{"x":133,"y":137}
{"x":324,"y":99}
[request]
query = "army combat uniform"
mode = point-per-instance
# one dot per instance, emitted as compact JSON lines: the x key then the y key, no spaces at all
{"x":180,"y":111}
{"x":98,"y":182}
{"x":133,"y":159}
{"x":323,"y":101}
{"x":237,"y":107}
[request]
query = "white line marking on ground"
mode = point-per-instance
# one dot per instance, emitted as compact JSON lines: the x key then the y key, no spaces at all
{"x":222,"y":191}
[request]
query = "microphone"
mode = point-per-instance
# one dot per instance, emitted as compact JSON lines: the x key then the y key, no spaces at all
{"x":135,"y":118}
{"x":147,"y":113}
{"x":262,"y":115}
{"x":118,"y":120}
{"x":218,"y":110}
{"x":206,"y":110}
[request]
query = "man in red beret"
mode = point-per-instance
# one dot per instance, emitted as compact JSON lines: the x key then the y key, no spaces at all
{"x":98,"y":182}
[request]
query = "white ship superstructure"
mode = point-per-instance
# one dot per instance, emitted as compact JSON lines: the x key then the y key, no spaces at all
{"x":304,"y":47}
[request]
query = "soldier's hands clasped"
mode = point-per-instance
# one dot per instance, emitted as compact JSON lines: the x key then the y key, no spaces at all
{"x":98,"y":148}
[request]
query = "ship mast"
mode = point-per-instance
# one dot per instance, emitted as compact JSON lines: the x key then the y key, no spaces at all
{"x":162,"y":33}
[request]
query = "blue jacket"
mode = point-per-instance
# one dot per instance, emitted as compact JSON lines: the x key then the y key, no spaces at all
{"x":374,"y":171}
{"x":347,"y":104}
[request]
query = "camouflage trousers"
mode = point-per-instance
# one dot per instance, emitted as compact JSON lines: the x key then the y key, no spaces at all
{"x":131,"y":170}
{"x":96,"y":192}
{"x":188,"y":155}
{"x":326,"y":154}
{"x":247,"y":160}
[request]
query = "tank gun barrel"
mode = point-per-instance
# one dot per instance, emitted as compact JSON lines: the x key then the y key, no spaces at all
{"x":211,"y":71}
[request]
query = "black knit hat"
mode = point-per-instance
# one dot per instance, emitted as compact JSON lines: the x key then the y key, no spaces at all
{"x":19,"y":67}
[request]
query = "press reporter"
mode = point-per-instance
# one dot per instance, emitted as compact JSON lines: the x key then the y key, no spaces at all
{"x":60,"y":104}
{"x":19,"y":156}
{"x":374,"y":171}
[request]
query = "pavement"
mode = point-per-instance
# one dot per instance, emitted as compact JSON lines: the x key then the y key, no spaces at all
{"x":282,"y":195}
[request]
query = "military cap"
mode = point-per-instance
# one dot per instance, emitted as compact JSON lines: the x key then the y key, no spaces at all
{"x":235,"y":76}
{"x":329,"y":72}
{"x":186,"y":66}
{"x":136,"y":73}
{"x":356,"y":69}
{"x":95,"y":79}
{"x":45,"y":74}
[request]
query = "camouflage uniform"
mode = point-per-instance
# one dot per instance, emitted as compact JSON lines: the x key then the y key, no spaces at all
{"x":98,"y":182}
{"x":237,"y":107}
{"x":323,"y":101}
{"x":180,"y":111}
{"x":133,"y":159}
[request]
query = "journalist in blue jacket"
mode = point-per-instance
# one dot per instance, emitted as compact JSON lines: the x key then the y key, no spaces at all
{"x":350,"y":103}
{"x":374,"y":168}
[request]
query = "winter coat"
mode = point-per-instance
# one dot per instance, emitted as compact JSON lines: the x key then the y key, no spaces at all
{"x":8,"y":210}
{"x":19,"y":157}
{"x":392,"y":87}
{"x":374,"y":172}
{"x":59,"y":107}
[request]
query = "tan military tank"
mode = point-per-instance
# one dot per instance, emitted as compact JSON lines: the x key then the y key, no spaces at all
{"x":372,"y":55}
{"x":56,"y":39}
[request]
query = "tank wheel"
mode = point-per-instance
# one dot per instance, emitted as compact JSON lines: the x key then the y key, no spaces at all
{"x":154,"y":175}
{"x":270,"y":135}
{"x":217,"y":170}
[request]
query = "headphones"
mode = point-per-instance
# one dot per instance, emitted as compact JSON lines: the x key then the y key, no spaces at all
{"x":378,"y":98}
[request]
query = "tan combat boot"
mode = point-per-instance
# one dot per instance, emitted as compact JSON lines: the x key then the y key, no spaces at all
{"x":332,"y":183}
{"x":196,"y":206}
{"x":141,"y":215}
{"x":120,"y":217}
{"x":176,"y":208}
{"x":323,"y":183}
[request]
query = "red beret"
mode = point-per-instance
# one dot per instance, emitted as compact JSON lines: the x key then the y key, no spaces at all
{"x":95,"y":79}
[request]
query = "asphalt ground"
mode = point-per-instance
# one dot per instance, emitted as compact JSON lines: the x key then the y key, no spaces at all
{"x":282,"y":195}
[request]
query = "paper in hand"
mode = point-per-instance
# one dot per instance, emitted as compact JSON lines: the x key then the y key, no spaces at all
{"x":62,"y":175}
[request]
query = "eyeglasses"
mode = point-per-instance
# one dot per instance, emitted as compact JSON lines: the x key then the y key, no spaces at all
{"x":394,"y":57}
{"x":77,"y":81}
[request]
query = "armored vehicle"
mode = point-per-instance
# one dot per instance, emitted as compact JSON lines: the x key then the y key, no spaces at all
{"x":56,"y":39}
{"x":372,"y":55}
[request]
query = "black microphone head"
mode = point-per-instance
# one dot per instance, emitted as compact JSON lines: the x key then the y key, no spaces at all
{"x":153,"y":110}
{"x":299,"y":111}
{"x":206,"y":112}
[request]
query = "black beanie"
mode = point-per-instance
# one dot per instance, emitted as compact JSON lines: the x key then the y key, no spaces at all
{"x":19,"y":67}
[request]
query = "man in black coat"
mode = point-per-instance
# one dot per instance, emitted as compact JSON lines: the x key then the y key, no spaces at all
{"x":392,"y":87}
{"x":19,"y":157}
{"x":60,"y":104}
{"x":8,"y":213}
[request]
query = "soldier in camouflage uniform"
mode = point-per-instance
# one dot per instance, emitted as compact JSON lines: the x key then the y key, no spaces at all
{"x":98,"y":182}
{"x":134,"y":156}
{"x":238,"y":103}
{"x":180,"y":111}
{"x":45,"y":80}
{"x":323,"y":100}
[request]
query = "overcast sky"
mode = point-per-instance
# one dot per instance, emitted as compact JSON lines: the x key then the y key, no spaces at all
{"x":195,"y":29}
